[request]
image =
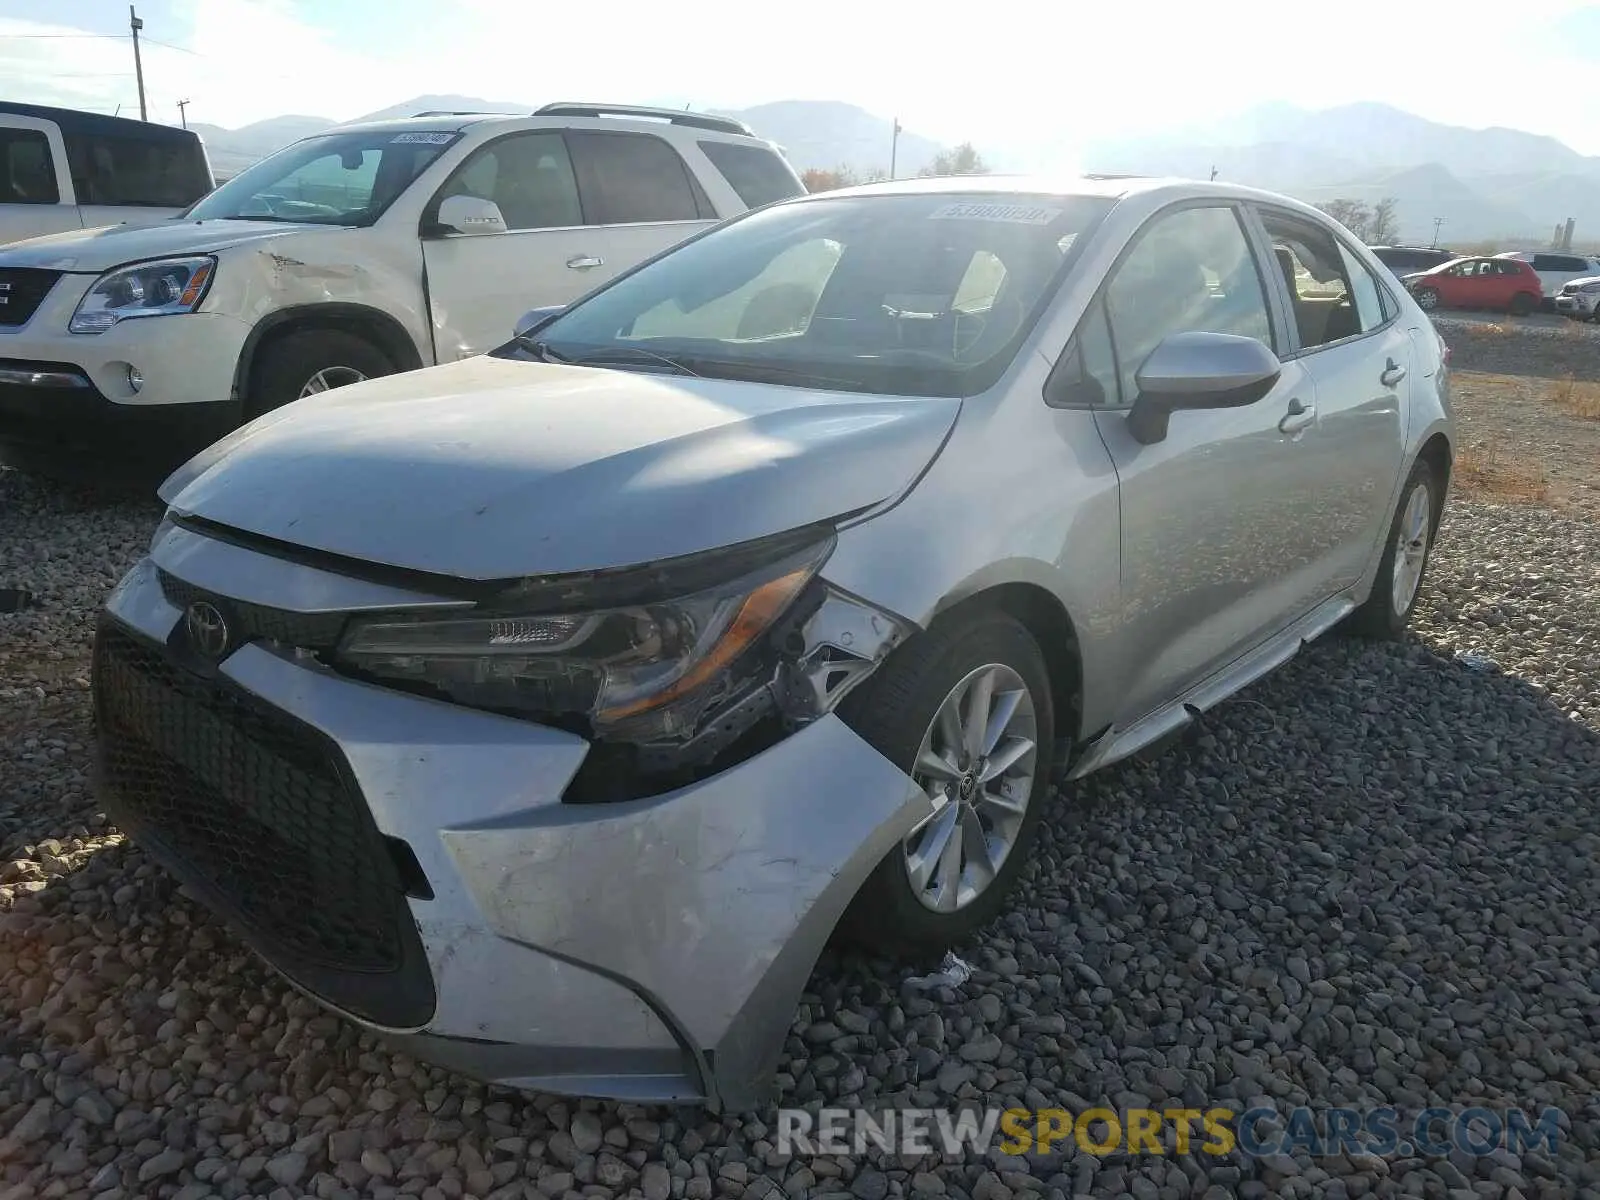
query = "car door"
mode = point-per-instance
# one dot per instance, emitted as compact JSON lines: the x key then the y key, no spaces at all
{"x":1349,"y":338}
{"x":578,"y":209}
{"x":35,"y":185}
{"x":1212,"y":563}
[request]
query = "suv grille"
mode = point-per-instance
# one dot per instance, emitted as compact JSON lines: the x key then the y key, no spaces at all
{"x":257,"y":622}
{"x":22,"y":290}
{"x":253,"y":810}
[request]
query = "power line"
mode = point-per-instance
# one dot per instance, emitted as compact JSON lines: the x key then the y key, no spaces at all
{"x":116,"y":37}
{"x":170,"y":46}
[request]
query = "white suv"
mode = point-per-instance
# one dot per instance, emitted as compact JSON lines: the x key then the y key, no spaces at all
{"x":359,"y":252}
{"x":1556,"y":269}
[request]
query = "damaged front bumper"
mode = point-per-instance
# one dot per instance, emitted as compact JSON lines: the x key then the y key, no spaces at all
{"x":412,"y":864}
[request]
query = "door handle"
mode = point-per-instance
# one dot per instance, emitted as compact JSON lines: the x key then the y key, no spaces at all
{"x":1392,"y":374}
{"x":585,"y":262}
{"x":1298,"y":419}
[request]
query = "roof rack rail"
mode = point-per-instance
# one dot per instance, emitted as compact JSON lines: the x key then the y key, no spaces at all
{"x":457,"y":112}
{"x":691,"y":120}
{"x":1112,"y":175}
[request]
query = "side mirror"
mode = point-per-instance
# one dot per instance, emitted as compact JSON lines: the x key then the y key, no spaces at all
{"x":1199,"y":370}
{"x":536,"y":319}
{"x":470,"y":214}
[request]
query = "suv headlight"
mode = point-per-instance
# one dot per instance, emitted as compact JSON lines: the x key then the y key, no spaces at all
{"x":647,"y":666}
{"x":147,"y":289}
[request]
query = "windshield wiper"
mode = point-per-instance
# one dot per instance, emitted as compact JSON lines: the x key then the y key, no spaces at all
{"x":753,"y":372}
{"x":617,"y":356}
{"x":540,"y":350}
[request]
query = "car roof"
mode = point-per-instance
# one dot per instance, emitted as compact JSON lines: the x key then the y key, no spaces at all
{"x":581,"y":116}
{"x":1155,"y":189}
{"x":72,"y":120}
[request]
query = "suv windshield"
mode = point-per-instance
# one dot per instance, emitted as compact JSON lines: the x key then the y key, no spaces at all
{"x":335,"y":179}
{"x":908,"y":294}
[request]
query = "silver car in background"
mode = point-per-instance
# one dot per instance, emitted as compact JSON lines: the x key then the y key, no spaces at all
{"x":548,"y":711}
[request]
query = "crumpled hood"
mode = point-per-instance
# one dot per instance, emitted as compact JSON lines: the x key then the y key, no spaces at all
{"x":492,"y":468}
{"x":96,"y":250}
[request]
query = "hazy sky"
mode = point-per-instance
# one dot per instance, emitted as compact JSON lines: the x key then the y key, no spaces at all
{"x":1001,"y":75}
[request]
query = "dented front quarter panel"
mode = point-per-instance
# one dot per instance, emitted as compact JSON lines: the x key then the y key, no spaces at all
{"x":714,"y":901}
{"x":371,"y":268}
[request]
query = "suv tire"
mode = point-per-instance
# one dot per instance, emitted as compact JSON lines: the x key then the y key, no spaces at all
{"x":290,"y":367}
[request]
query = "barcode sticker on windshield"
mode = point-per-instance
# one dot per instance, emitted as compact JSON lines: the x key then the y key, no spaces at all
{"x":1016,"y":214}
{"x":420,"y":139}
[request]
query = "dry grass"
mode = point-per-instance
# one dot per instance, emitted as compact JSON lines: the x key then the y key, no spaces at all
{"x":1488,"y":473}
{"x":1580,"y":398}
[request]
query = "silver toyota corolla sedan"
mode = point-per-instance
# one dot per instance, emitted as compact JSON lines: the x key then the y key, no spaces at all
{"x":548,"y":711}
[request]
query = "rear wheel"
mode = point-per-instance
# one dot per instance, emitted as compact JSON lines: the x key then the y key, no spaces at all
{"x":1522,"y":304}
{"x":1427,"y":299}
{"x":1405,"y":557}
{"x":312,"y":361}
{"x":966,"y":711}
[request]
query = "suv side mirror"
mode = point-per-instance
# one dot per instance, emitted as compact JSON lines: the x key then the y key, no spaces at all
{"x":1199,"y":370}
{"x":471,"y":214}
{"x":536,"y":319}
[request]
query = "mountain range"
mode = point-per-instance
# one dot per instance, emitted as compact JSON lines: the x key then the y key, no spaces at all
{"x":1479,"y":184}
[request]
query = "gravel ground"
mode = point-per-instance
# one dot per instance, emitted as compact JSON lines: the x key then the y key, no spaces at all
{"x":1370,"y":880}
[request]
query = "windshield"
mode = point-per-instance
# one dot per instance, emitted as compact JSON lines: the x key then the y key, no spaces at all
{"x":924,"y":294}
{"x":335,"y":179}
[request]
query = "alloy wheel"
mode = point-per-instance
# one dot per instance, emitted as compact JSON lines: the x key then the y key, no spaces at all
{"x":976,"y":764}
{"x":329,"y":378}
{"x":1411,"y":549}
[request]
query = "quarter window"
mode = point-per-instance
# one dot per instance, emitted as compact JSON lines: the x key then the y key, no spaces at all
{"x":29,"y":170}
{"x":1364,"y":290}
{"x":628,"y":178}
{"x":758,"y":176}
{"x":1190,"y":271}
{"x":135,"y":172}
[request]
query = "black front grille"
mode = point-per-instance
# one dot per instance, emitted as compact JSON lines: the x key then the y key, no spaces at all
{"x":256,"y":811}
{"x":22,"y":290}
{"x":256,"y":622}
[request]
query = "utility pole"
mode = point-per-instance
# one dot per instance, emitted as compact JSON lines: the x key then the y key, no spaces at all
{"x":894,"y":146}
{"x":1437,"y":221}
{"x":183,"y":112}
{"x":138,"y":67}
{"x":1213,"y":174}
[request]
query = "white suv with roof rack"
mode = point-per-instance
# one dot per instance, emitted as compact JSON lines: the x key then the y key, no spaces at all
{"x":359,"y":252}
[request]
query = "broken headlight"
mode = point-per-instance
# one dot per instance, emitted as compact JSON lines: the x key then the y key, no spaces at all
{"x":646,"y":666}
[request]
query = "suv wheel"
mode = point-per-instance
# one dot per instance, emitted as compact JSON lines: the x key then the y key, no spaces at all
{"x":966,"y":710}
{"x":312,"y":361}
{"x":1405,"y":557}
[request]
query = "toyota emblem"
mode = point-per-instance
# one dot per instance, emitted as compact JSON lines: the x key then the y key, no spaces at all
{"x":208,"y":632}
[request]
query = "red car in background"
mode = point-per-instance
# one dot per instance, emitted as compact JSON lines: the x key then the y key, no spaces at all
{"x":1508,"y":284}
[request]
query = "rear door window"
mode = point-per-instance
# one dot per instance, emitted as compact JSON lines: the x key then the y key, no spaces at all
{"x":27,"y":169}
{"x":758,"y":176}
{"x":631,"y":178}
{"x":135,"y":172}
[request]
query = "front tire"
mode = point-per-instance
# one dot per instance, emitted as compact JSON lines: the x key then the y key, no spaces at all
{"x":1398,"y":584}
{"x":311,"y":361}
{"x":966,"y":710}
{"x":1427,"y":299}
